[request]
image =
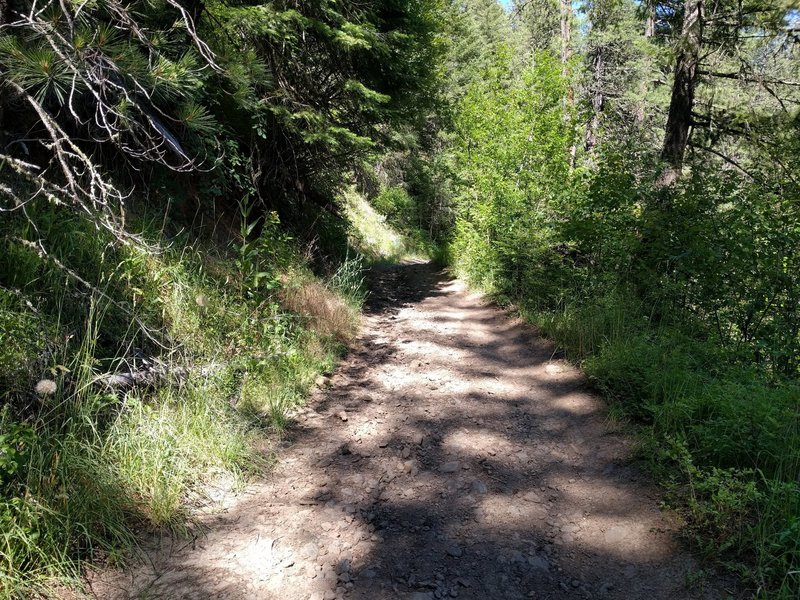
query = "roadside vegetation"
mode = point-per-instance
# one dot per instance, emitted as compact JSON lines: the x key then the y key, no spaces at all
{"x":175,"y":270}
{"x":630,"y":185}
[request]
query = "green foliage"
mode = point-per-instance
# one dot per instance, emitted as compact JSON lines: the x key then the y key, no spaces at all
{"x":15,"y":448}
{"x":680,"y":302}
{"x":397,"y":206}
{"x":379,"y":239}
{"x":513,"y":167}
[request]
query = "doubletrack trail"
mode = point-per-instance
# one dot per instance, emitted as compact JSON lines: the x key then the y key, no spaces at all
{"x":449,"y":456}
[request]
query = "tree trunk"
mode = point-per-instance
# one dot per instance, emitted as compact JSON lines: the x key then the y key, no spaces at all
{"x":679,"y":119}
{"x":566,"y":55}
{"x":650,"y":23}
{"x":566,"y":44}
{"x":598,"y":99}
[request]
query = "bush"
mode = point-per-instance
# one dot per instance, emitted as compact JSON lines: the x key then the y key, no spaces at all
{"x":725,"y":439}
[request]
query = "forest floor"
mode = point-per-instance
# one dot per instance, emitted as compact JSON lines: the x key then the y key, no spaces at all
{"x":450,"y":455}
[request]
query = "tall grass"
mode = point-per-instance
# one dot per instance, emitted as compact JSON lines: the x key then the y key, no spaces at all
{"x":245,"y":331}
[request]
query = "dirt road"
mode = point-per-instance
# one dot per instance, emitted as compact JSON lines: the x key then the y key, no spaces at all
{"x":451,"y":456}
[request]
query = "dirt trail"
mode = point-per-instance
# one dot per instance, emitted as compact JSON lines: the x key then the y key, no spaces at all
{"x":451,"y":456}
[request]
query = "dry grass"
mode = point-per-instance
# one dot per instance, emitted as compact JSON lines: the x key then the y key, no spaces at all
{"x":327,"y":314}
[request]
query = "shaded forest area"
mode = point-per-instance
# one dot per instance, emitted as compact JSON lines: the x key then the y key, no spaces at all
{"x":188,"y":197}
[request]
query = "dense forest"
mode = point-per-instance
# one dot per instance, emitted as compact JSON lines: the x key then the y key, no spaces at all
{"x":186,"y":195}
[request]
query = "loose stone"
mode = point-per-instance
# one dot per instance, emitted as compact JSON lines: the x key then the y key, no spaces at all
{"x":450,"y":467}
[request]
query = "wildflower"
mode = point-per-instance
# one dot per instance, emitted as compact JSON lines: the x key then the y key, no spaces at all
{"x":46,"y":387}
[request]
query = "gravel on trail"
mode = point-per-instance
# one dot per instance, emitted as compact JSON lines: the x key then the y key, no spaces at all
{"x":451,"y":455}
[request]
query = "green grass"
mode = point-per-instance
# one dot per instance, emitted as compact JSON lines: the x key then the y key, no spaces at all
{"x":723,"y":437}
{"x":381,"y":240}
{"x":83,"y":471}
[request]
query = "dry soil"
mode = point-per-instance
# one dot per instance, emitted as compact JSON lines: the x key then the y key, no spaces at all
{"x":451,"y":455}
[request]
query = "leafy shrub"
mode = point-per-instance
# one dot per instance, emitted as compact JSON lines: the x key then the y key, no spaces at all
{"x":398,"y":207}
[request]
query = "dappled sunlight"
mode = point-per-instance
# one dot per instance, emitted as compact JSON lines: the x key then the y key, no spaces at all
{"x":450,"y":455}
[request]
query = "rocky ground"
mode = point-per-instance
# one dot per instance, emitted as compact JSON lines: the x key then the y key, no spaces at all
{"x":450,"y":456}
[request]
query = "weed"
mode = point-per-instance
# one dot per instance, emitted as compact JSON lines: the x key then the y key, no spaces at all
{"x":324,"y":311}
{"x":83,"y":468}
{"x":724,"y":439}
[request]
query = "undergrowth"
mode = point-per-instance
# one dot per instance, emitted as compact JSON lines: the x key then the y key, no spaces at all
{"x":233,"y":336}
{"x":722,"y":437}
{"x":382,"y":231}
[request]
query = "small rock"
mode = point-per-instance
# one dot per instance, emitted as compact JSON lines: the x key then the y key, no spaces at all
{"x":532,"y":497}
{"x":406,"y":452}
{"x":418,"y":439}
{"x":539,"y":563}
{"x":575,"y":583}
{"x":309,"y":551}
{"x":343,"y":566}
{"x":322,"y":381}
{"x":342,"y":415}
{"x":478,"y":487}
{"x":450,"y":467}
{"x":455,"y":551}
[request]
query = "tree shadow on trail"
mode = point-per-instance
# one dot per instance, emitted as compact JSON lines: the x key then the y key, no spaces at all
{"x":452,"y":458}
{"x":394,"y":286}
{"x":490,"y":493}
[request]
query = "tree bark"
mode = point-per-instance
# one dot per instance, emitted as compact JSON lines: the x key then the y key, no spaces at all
{"x":650,"y":23}
{"x":566,"y":44}
{"x":5,"y":17}
{"x":566,"y":55}
{"x":598,"y":98}
{"x":679,"y":119}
